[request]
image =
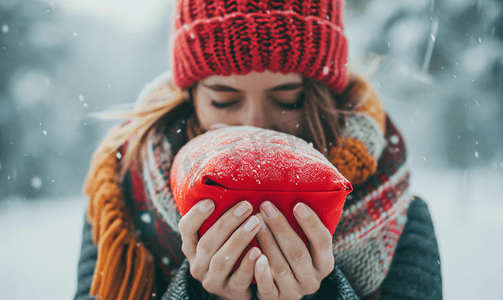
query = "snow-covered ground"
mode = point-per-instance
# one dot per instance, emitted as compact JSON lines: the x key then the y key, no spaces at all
{"x":39,"y":247}
{"x":40,"y":239}
{"x":467,"y":210}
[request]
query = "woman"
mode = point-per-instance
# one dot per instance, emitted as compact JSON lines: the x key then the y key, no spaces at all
{"x":279,"y":65}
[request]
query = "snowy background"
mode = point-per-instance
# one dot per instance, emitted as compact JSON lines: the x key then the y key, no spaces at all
{"x":438,"y":66}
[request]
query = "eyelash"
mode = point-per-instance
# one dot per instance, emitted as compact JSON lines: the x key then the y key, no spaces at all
{"x":222,"y":105}
{"x":290,"y":106}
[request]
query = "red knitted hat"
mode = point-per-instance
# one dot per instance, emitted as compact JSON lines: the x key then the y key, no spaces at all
{"x":224,"y":37}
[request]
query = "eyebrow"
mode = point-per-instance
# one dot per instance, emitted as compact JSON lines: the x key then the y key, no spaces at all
{"x":224,"y":88}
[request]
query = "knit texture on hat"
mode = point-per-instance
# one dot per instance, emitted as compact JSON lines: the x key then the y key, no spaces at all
{"x":224,"y":37}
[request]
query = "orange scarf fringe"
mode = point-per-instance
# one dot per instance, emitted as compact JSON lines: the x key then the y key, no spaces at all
{"x":124,"y":268}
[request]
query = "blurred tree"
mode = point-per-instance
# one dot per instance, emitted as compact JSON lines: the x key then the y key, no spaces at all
{"x":19,"y":55}
{"x":58,"y":63}
{"x":468,"y":56}
{"x":449,"y":55}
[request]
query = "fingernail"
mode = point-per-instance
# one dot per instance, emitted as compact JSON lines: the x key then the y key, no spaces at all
{"x":251,"y":224}
{"x":262,"y":264}
{"x":254,"y":253}
{"x":205,"y":206}
{"x":263,"y":226}
{"x":301,"y":210}
{"x":242,"y":209}
{"x":269,"y":210}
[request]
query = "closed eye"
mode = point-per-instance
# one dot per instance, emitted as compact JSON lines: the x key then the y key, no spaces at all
{"x":292,"y":106}
{"x":223,"y":104}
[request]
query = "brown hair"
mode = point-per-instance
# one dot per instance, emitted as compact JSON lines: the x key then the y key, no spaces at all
{"x":321,"y":120}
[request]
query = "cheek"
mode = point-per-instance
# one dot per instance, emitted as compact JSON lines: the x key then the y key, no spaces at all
{"x":205,"y":112}
{"x":206,"y":117}
{"x":209,"y":115}
{"x":289,"y":122}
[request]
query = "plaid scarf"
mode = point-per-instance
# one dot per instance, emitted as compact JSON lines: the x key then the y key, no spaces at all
{"x":364,"y":241}
{"x":135,"y":226}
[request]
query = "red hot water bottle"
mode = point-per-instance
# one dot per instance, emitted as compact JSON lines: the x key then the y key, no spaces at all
{"x":238,"y":163}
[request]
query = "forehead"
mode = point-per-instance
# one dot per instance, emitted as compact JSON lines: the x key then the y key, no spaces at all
{"x":255,"y":80}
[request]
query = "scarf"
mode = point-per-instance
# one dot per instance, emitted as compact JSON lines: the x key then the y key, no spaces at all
{"x":136,"y":225}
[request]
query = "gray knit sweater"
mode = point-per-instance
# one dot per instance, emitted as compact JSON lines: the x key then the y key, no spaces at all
{"x":414,"y":273}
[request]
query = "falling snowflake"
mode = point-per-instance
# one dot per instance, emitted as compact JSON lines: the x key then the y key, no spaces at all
{"x":394,"y":139}
{"x":146,"y":218}
{"x":36,"y":182}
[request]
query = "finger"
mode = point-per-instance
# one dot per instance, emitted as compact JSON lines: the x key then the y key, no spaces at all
{"x":280,"y":269}
{"x":191,"y":222}
{"x":291,"y":245}
{"x":320,"y":239}
{"x":242,"y":278}
{"x":216,"y":236}
{"x":266,"y":289}
{"x":225,"y":258}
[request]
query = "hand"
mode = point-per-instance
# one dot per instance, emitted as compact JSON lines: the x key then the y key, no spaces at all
{"x":288,"y":270}
{"x":213,"y":256}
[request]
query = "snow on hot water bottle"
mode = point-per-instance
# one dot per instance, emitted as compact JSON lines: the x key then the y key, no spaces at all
{"x":238,"y":163}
